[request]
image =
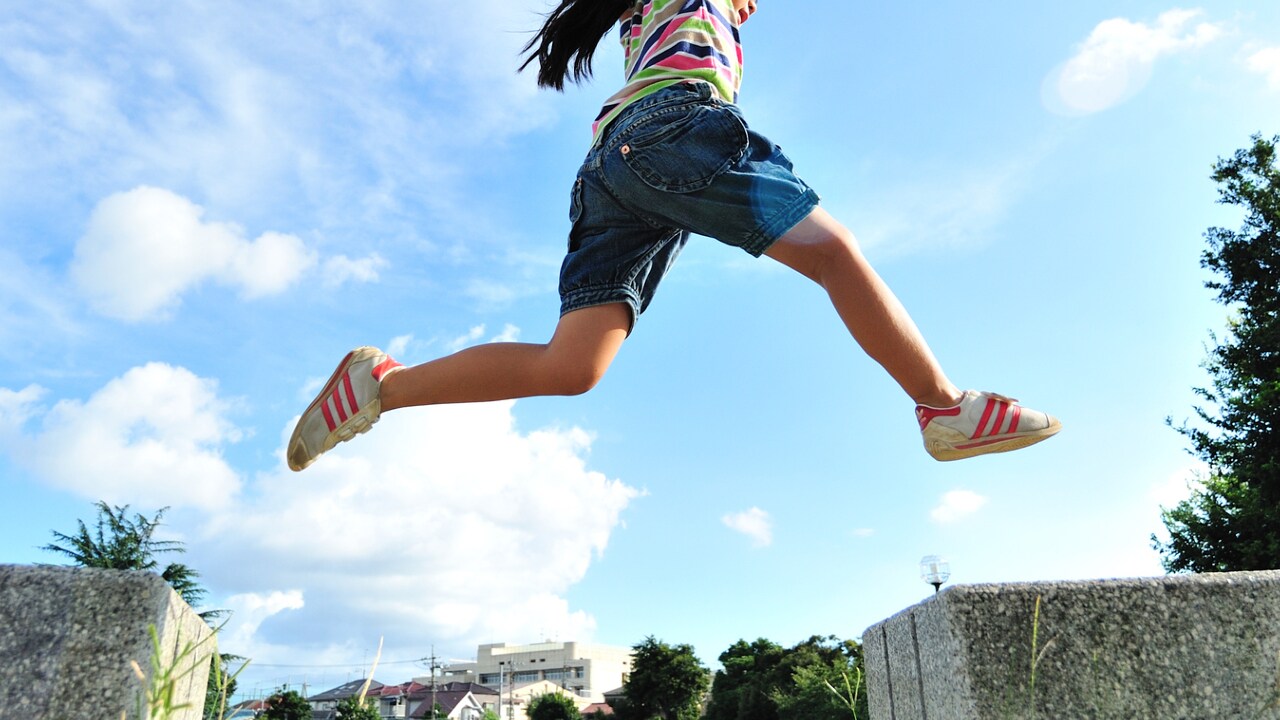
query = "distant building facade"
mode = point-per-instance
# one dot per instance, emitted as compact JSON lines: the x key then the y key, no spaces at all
{"x":583,"y":670}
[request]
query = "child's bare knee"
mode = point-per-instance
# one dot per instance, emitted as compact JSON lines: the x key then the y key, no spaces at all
{"x":815,"y":258}
{"x":579,"y":379}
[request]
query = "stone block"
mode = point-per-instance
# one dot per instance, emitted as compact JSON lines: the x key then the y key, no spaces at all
{"x":1182,"y":646}
{"x":67,"y":636}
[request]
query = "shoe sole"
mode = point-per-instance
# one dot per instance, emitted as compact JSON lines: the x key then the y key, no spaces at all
{"x":945,"y":452}
{"x":358,"y":423}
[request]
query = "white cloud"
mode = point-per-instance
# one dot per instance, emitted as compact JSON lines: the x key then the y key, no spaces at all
{"x":442,"y":525}
{"x":1178,"y":486}
{"x":18,"y":406}
{"x":362,"y":115}
{"x":462,"y":341}
{"x":1115,"y":61}
{"x":340,"y":269}
{"x":957,"y":505}
{"x":1266,"y":62}
{"x":397,"y":348}
{"x":754,"y":523}
{"x":146,"y":247}
{"x":155,"y":435}
{"x":510,"y":333}
{"x":951,"y":209}
{"x":247,"y":613}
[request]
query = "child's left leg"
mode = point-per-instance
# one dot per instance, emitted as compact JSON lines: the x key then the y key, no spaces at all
{"x":955,"y":425}
{"x":823,"y":250}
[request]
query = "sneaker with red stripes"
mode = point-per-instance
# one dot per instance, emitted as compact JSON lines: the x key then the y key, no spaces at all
{"x":348,"y":405}
{"x":982,"y":423}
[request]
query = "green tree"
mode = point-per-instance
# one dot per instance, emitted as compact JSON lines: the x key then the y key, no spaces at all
{"x":666,"y":682}
{"x":1232,"y":519}
{"x":826,"y":681}
{"x":744,"y":688}
{"x":816,"y":680}
{"x":489,"y":715}
{"x":352,"y":709}
{"x":553,"y":706}
{"x":287,"y":705}
{"x":121,"y":542}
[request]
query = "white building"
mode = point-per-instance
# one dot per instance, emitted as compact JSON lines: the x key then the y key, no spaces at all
{"x":580,"y":669}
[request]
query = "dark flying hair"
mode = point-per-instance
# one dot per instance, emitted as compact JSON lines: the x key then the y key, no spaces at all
{"x":568,"y":39}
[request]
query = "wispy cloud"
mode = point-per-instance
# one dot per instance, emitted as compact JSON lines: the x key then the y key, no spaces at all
{"x":948,"y":206}
{"x":1178,"y":486}
{"x":1116,"y":60}
{"x":1266,"y":62}
{"x":338,"y":123}
{"x":957,"y":505}
{"x":754,"y":523}
{"x":340,"y":269}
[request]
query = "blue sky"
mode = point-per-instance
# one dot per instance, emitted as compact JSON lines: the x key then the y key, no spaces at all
{"x":202,"y":208}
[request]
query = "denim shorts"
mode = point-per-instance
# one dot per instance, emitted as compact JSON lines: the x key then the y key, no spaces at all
{"x":677,"y":162}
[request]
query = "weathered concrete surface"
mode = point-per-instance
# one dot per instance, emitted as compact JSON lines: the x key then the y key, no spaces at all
{"x":67,"y":636}
{"x":1188,"y":646}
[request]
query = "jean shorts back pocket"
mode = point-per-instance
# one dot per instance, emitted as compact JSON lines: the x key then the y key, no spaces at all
{"x":684,"y":149}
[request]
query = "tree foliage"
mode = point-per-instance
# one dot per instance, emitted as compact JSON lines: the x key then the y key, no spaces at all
{"x":666,"y":682}
{"x":352,"y":709}
{"x":744,"y":689}
{"x":553,"y":706}
{"x":121,"y":542}
{"x":817,"y":679}
{"x":1232,"y":519}
{"x":286,"y":705}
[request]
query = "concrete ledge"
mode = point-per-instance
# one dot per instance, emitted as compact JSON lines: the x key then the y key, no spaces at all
{"x":1184,"y":646}
{"x":67,"y":636}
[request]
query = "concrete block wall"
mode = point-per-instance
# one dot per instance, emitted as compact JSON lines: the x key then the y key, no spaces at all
{"x":67,"y":636}
{"x":1190,"y":646}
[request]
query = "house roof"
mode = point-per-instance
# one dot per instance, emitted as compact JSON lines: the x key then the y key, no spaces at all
{"x":414,"y":690}
{"x":475,"y":688}
{"x":446,"y":699}
{"x":605,"y":708}
{"x":346,"y":690}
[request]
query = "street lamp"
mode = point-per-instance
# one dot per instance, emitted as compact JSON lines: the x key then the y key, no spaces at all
{"x":934,"y":570}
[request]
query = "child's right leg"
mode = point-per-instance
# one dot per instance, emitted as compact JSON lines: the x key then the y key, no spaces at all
{"x":571,"y":363}
{"x":368,"y":382}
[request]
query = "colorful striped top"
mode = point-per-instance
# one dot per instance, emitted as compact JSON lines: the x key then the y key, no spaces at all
{"x":673,"y":41}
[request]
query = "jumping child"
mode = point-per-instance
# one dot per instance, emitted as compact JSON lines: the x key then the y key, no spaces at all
{"x":671,"y":155}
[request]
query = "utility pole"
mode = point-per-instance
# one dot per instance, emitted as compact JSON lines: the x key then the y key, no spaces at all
{"x":433,"y":682}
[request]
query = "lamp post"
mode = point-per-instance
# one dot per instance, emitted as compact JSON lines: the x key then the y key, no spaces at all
{"x":934,"y":570}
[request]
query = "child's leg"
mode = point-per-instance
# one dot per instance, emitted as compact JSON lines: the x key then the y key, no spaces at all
{"x":584,"y":344}
{"x":822,"y":249}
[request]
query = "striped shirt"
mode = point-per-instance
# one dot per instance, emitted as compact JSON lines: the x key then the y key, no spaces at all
{"x":667,"y":42}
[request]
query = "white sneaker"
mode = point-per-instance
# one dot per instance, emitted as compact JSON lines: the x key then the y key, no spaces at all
{"x":982,"y":423}
{"x":348,"y":405}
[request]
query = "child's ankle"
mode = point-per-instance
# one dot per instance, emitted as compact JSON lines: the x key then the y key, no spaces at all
{"x":944,"y":398}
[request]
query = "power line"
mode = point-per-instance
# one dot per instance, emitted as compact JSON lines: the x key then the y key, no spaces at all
{"x":341,"y":665}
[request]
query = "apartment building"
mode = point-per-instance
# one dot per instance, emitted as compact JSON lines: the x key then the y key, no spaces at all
{"x":581,"y":669}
